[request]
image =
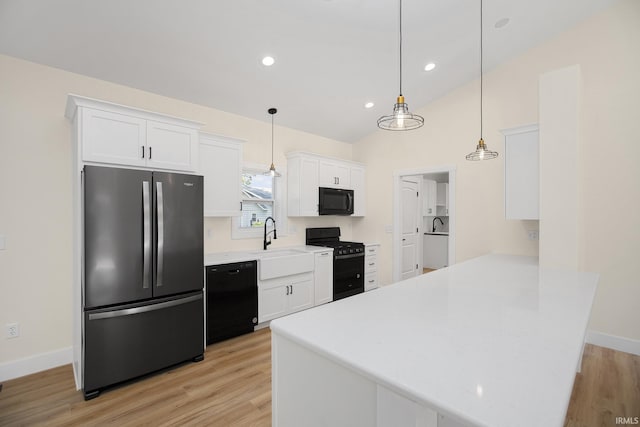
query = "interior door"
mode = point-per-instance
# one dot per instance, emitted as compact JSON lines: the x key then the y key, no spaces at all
{"x":179,"y":247}
{"x":409,"y":215}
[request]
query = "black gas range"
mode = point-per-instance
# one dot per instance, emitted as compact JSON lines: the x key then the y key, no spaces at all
{"x":348,"y":260}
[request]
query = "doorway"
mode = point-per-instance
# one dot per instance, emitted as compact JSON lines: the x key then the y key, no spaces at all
{"x":436,"y":188}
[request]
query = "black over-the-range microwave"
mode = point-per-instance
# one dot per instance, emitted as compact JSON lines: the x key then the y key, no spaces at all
{"x":335,"y":201}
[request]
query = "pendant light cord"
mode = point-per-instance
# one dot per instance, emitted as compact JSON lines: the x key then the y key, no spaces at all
{"x":400,"y":47}
{"x":480,"y":69}
{"x":272,"y":138}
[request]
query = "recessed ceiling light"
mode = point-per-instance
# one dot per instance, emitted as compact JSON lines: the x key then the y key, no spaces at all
{"x":268,"y":61}
{"x":369,"y":105}
{"x":501,"y":22}
{"x":430,"y":66}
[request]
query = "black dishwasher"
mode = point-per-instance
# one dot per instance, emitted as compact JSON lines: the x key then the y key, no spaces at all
{"x":232,"y":300}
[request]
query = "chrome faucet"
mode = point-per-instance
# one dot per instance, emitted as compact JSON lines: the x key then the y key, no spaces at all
{"x":266,"y":243}
{"x":433,"y":224}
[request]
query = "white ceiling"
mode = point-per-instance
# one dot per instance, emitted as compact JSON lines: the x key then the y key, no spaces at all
{"x":332,"y":56}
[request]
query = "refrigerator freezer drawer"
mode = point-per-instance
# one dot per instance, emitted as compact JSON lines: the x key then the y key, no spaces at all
{"x":128,"y":341}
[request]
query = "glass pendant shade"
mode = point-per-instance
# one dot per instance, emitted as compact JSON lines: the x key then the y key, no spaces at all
{"x":401,"y":119}
{"x":481,"y":153}
{"x":272,"y":169}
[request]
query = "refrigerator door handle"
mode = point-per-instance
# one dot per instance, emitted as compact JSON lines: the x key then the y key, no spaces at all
{"x":146,"y":227}
{"x":143,"y":309}
{"x":160,"y":225}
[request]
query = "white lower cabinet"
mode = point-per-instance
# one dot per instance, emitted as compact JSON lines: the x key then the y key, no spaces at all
{"x":284,"y":295}
{"x":394,"y":410}
{"x":436,"y":251}
{"x":370,"y":266}
{"x":311,"y":389}
{"x":323,"y":277}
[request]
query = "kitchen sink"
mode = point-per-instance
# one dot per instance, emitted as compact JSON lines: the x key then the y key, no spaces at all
{"x":284,"y":262}
{"x":278,"y":253}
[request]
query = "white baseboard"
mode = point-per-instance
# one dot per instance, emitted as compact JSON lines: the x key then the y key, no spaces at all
{"x":37,"y":363}
{"x":627,"y":345}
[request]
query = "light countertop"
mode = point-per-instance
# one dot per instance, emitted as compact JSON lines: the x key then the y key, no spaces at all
{"x":217,"y":258}
{"x":495,"y":341}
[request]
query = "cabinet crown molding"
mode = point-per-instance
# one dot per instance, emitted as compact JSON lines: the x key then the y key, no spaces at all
{"x":75,"y":101}
{"x":292,"y":154}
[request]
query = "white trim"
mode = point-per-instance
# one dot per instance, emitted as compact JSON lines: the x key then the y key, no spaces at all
{"x":520,"y":129}
{"x":613,"y":342}
{"x":36,"y":363}
{"x":279,"y":203}
{"x":397,"y":232}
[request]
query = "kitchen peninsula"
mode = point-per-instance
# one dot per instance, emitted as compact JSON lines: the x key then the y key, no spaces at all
{"x":493,"y":341}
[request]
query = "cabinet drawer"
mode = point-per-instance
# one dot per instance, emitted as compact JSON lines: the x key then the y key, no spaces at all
{"x":370,"y":263}
{"x":371,"y":250}
{"x":370,"y":281}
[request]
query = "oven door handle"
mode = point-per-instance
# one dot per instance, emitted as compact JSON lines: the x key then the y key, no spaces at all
{"x":349,"y":256}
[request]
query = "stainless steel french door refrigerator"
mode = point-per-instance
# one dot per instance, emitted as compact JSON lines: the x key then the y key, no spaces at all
{"x":143,"y":273}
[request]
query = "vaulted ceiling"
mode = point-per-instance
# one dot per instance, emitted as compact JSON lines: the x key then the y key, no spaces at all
{"x":331,"y":56}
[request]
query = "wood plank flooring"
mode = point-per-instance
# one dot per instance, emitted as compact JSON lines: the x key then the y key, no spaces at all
{"x":232,"y":387}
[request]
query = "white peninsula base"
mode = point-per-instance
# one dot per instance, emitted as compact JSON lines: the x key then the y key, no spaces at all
{"x":493,"y":341}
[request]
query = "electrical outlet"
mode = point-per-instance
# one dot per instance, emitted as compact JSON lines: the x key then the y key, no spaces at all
{"x":533,"y":234}
{"x":13,"y":330}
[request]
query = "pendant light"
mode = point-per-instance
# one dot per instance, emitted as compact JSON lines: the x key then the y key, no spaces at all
{"x":272,"y":170}
{"x":481,"y":153}
{"x":401,"y":119}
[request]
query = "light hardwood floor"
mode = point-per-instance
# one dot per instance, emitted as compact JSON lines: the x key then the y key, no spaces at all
{"x":232,"y":387}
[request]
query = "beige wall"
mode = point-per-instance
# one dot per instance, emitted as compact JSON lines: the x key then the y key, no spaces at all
{"x":35,"y":173}
{"x":606,"y":49}
{"x":36,"y":200}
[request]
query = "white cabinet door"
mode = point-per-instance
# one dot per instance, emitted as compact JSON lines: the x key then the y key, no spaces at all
{"x":221,"y":165}
{"x":171,"y":146}
{"x":521,"y":173}
{"x":272,"y":302}
{"x":308,"y":187}
{"x":429,"y":194}
{"x":300,"y":295}
{"x":323,"y":277}
{"x":442,"y":201}
{"x":113,"y":138}
{"x":436,"y":251}
{"x":358,"y":187}
{"x":302,"y":186}
{"x":334,"y":174}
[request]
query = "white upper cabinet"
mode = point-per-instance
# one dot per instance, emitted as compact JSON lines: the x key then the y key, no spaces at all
{"x":302,"y":186}
{"x":113,"y":138}
{"x":220,"y":161}
{"x":307,"y":172}
{"x":116,"y":134}
{"x":429,"y":195}
{"x":442,"y":199}
{"x":171,"y":146}
{"x":521,"y":173}
{"x":335,"y":174}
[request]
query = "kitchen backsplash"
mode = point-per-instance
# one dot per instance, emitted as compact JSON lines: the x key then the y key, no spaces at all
{"x":429,"y":221}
